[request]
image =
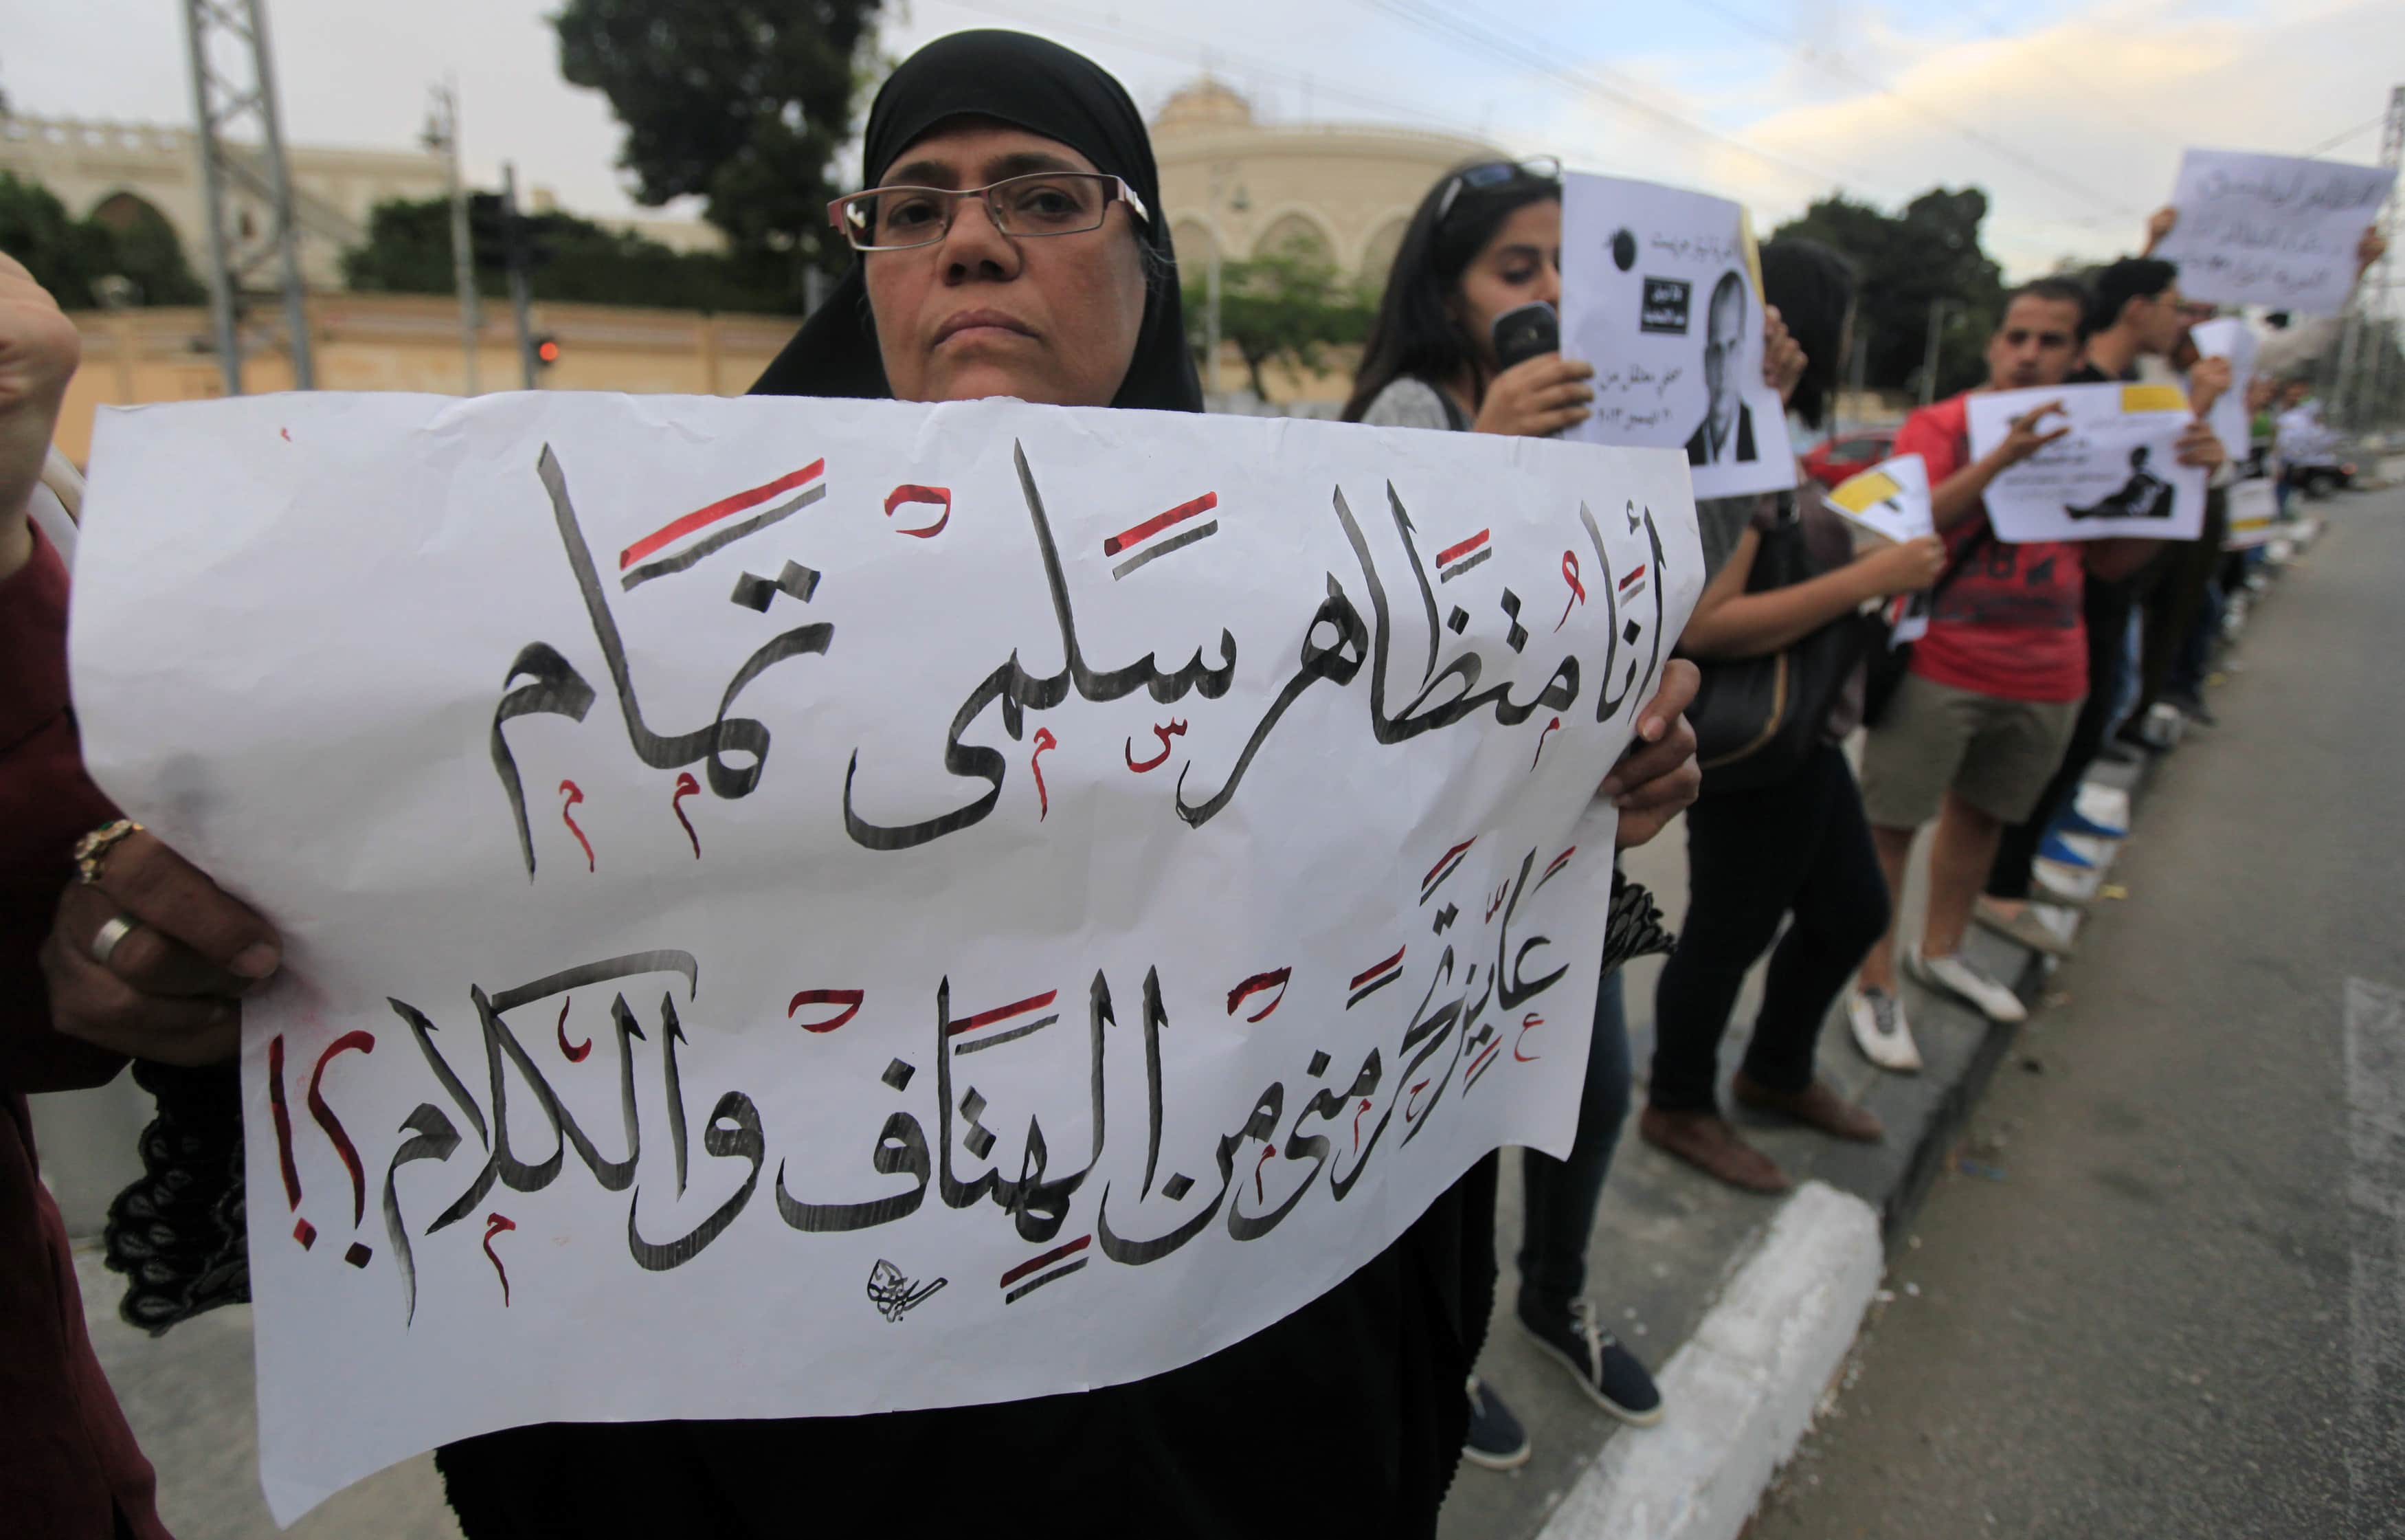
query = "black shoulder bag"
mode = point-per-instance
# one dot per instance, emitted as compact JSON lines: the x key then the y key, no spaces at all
{"x":1889,"y":665}
{"x":1757,"y":719}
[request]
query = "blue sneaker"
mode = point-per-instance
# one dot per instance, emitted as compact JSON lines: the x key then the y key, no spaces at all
{"x":2076,"y":822}
{"x":2055,"y":849}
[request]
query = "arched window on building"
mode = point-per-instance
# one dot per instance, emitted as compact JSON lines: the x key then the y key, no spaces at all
{"x":1190,"y":240}
{"x":1296,"y":236}
{"x":148,"y":250}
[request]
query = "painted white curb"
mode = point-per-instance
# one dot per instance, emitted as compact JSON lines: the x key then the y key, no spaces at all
{"x":1742,"y":1393}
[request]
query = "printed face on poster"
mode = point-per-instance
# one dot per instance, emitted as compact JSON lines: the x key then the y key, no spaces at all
{"x":2114,"y":474}
{"x":1658,"y":294}
{"x":812,"y":908}
{"x":2230,"y":338}
{"x":2270,"y":230}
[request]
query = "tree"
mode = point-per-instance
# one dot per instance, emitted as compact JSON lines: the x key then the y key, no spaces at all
{"x":1284,"y":306}
{"x":70,"y":257}
{"x":1909,"y":262}
{"x":741,"y":103}
{"x":408,"y":252}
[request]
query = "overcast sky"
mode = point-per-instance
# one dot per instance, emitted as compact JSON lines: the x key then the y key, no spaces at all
{"x":2071,"y":115}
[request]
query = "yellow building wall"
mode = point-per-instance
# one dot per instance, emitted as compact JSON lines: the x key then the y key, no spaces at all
{"x":406,"y":341}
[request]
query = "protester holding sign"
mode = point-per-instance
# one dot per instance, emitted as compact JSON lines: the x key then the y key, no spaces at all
{"x":72,"y":1468}
{"x":2135,"y":312}
{"x":1790,"y":838}
{"x":1001,"y":139}
{"x":1977,"y":727}
{"x":1485,"y":242}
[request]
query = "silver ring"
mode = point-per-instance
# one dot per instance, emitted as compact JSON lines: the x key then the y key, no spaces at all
{"x":105,"y":940}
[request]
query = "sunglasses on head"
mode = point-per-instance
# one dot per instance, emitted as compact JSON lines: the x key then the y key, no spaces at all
{"x":1544,"y":168}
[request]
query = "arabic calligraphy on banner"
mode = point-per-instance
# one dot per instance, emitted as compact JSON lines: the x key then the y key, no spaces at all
{"x":804,"y":908}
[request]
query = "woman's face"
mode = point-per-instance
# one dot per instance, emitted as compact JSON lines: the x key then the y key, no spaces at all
{"x":1051,"y":319}
{"x":1520,"y":265}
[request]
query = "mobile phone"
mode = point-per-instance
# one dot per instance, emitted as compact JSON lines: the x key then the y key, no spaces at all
{"x":1526,"y":332}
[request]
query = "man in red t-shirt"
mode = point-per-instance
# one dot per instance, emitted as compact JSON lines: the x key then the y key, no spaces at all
{"x":1976,"y":729}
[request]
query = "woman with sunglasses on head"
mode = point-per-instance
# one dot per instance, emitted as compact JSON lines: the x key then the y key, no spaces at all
{"x":1485,"y":242}
{"x":1800,"y":847}
{"x":1029,"y":258}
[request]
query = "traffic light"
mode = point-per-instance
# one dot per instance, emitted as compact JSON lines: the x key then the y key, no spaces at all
{"x":489,"y":230}
{"x":546,"y":349}
{"x":519,"y":245}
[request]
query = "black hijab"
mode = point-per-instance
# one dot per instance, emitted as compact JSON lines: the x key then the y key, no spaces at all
{"x":1033,"y":84}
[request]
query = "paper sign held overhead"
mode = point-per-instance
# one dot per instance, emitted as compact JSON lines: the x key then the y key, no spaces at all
{"x":2270,"y":230}
{"x":808,"y":908}
{"x":1662,"y":294}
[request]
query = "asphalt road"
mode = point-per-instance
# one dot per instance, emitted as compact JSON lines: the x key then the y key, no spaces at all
{"x":2172,"y":1303}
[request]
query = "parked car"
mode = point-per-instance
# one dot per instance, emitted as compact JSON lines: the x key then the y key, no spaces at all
{"x":1833,"y":462}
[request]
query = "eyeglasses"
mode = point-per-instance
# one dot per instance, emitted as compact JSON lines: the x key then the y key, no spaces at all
{"x":1047,"y":203}
{"x":1544,"y":168}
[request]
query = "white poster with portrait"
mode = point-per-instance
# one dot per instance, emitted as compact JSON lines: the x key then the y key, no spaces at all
{"x":2114,"y":474}
{"x":2271,"y":229}
{"x":1662,"y":294}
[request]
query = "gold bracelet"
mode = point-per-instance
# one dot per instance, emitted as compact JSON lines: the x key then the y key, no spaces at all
{"x":95,"y":847}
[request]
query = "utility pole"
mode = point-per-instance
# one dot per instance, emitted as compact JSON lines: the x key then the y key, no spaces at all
{"x":443,"y":134}
{"x":514,"y":234}
{"x":1938,"y":310}
{"x":221,"y":34}
{"x":2371,"y":322}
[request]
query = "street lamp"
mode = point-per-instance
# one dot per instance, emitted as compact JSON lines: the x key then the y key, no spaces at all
{"x":1236,"y":204}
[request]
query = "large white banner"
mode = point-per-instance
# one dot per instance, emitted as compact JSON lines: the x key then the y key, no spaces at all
{"x":2270,"y":230}
{"x":817,"y":907}
{"x":1660,"y":293}
{"x":2114,"y":474}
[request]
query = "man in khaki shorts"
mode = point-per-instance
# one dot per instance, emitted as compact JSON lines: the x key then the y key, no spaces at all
{"x":1978,"y":728}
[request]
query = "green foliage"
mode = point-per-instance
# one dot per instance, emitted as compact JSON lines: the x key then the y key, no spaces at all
{"x":741,"y":103}
{"x":68,"y":256}
{"x":1284,"y":306}
{"x":409,"y":253}
{"x":1908,"y":260}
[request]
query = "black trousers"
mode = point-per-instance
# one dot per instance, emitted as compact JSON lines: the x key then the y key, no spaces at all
{"x":1558,"y":1197}
{"x":1802,"y":847}
{"x":2107,"y":606}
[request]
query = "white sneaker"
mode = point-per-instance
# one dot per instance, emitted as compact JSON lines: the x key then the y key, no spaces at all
{"x":1966,"y":981}
{"x":1880,"y":1030}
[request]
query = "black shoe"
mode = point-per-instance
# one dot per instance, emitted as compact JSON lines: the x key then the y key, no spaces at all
{"x":1497,"y":1440}
{"x":2193,"y":708}
{"x":1606,"y":1371}
{"x":2118,"y":752}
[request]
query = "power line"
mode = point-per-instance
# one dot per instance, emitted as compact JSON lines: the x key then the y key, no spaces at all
{"x":1837,"y":67}
{"x":2361,"y":127}
{"x":1181,"y":49}
{"x":1440,"y":23}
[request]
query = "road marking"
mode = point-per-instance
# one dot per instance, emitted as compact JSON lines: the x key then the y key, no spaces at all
{"x":2375,"y":1295}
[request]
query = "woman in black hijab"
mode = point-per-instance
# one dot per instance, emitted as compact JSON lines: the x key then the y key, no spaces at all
{"x":1345,"y":1419}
